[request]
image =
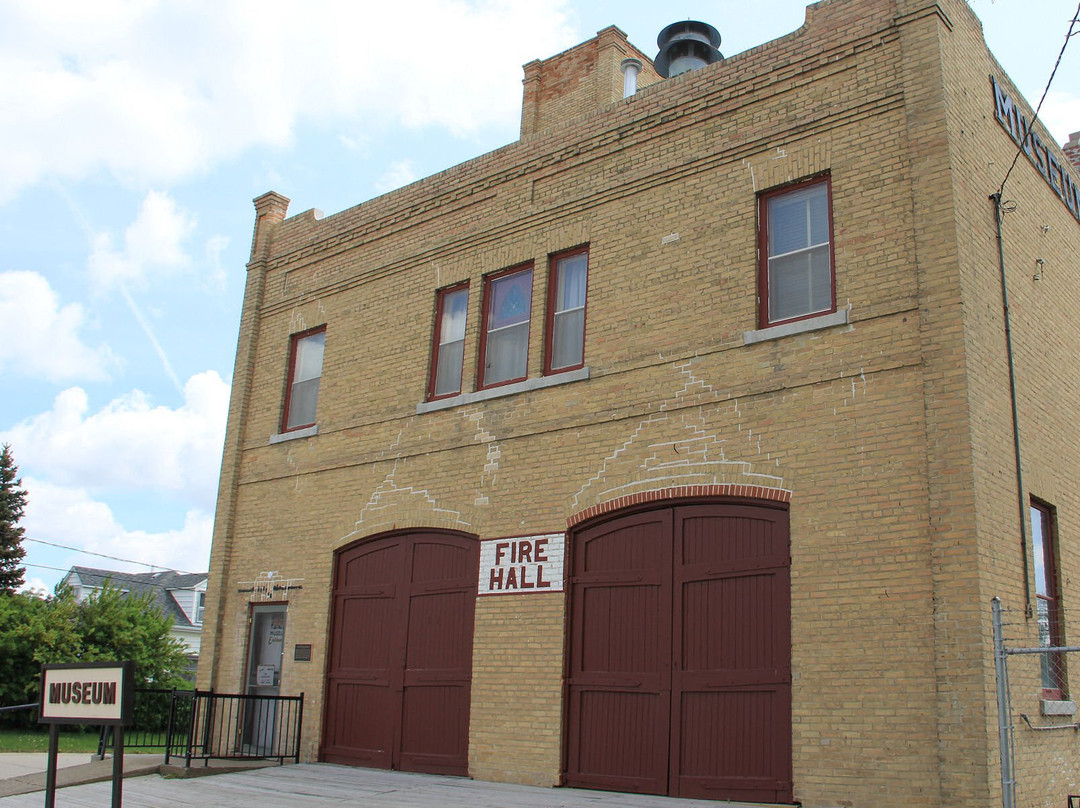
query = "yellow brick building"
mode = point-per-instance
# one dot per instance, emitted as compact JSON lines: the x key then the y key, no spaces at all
{"x":673,"y":448}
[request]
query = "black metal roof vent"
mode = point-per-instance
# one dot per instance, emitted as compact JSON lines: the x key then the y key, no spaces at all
{"x":685,"y":46}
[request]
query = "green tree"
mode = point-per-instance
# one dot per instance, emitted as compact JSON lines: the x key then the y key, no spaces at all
{"x":12,"y":503}
{"x":108,"y":626}
{"x":112,"y":625}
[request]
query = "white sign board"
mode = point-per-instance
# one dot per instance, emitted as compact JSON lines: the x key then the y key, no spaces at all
{"x":86,"y":693}
{"x":264,"y":676}
{"x":523,"y":565}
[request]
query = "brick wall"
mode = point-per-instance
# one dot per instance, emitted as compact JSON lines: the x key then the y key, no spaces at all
{"x":889,"y":434}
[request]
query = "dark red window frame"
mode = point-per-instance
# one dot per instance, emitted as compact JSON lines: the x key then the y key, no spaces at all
{"x":1048,"y":597}
{"x":485,"y":327}
{"x":294,"y":341}
{"x":763,"y":250}
{"x":436,"y":344}
{"x":549,"y":324}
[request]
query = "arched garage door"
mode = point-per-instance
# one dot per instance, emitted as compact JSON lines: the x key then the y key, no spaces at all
{"x":680,"y":654}
{"x":400,"y":668}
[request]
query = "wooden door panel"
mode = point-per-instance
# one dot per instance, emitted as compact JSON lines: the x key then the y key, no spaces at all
{"x":617,"y":746}
{"x":365,"y":642}
{"x":679,"y":677}
{"x":432,"y":739}
{"x":359,"y":731}
{"x":434,"y":632}
{"x":619,"y":626}
{"x":400,"y":667}
{"x":730,"y":730}
{"x":729,"y":748}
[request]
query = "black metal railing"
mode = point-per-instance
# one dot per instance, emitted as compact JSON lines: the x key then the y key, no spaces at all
{"x":161,"y":721}
{"x":15,"y":707}
{"x":233,"y":726}
{"x":202,"y":725}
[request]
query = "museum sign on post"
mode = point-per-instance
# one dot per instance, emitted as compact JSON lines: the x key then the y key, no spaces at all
{"x":101,"y":693}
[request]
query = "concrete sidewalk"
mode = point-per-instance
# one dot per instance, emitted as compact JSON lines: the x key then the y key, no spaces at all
{"x":25,"y":772}
{"x":324,"y":785}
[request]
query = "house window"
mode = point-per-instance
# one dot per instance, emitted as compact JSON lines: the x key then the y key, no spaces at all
{"x":504,"y":351}
{"x":449,"y":351}
{"x":1048,"y":600}
{"x":565,"y":343}
{"x":305,"y":372}
{"x":200,"y":607}
{"x":795,"y":249}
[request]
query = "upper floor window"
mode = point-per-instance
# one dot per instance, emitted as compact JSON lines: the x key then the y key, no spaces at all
{"x":200,"y":607}
{"x":448,"y":354}
{"x":305,"y":372}
{"x":1048,"y":600}
{"x":565,"y":342}
{"x":504,"y":349}
{"x":795,"y":250}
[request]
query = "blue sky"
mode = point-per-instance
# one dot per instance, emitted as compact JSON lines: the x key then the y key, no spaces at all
{"x":134,"y":135}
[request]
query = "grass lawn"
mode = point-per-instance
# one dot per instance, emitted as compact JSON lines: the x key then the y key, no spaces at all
{"x":13,"y":740}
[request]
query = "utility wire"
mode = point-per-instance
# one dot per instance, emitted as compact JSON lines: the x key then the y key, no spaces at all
{"x":1065,"y":44}
{"x":105,"y":555}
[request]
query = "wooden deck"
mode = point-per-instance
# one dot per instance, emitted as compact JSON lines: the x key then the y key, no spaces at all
{"x":321,"y":785}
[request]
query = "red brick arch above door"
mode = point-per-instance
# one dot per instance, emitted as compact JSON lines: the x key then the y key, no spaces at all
{"x":713,"y":491}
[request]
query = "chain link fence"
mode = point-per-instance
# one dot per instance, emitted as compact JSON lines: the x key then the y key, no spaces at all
{"x":1038,"y":724}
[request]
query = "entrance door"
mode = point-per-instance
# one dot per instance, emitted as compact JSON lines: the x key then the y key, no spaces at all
{"x":680,"y":654}
{"x":400,"y":669}
{"x":266,"y":645}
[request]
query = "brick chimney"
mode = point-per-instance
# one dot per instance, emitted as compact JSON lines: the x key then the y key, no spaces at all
{"x":579,"y":80}
{"x":1072,"y":150}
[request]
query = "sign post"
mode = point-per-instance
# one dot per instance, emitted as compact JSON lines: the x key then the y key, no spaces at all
{"x":92,"y":693}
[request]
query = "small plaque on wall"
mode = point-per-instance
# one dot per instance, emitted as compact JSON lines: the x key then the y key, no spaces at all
{"x":302,"y":653}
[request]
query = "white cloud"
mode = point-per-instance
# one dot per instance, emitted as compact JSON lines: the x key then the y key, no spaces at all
{"x":153,"y":244}
{"x":215,"y":248}
{"x":40,"y":338}
{"x":69,"y":516}
{"x":397,"y":174}
{"x":130,"y":444}
{"x":36,"y":586}
{"x":1060,"y":114}
{"x":152,"y":92}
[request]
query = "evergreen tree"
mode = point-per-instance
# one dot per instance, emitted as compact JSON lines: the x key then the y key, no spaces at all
{"x":12,"y":502}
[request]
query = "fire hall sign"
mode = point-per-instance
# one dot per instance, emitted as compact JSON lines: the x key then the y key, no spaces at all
{"x":523,"y":565}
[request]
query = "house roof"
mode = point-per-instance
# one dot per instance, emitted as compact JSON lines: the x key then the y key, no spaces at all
{"x":158,"y":585}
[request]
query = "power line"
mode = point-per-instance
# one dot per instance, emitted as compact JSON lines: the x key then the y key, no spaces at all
{"x":45,"y":567}
{"x":106,"y":555}
{"x":1023,"y":142}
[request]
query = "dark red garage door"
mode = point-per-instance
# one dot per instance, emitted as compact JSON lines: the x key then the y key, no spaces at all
{"x":397,"y":690}
{"x":680,"y":654}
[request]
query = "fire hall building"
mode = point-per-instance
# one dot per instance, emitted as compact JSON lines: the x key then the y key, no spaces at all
{"x":680,"y":446}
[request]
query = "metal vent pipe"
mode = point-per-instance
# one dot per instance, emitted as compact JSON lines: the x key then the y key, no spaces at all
{"x":687,"y":45}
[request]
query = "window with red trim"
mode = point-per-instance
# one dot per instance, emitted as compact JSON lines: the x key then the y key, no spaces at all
{"x":448,"y":354}
{"x":796,"y":276}
{"x":568,"y":275}
{"x":504,"y":349}
{"x":1048,"y":610}
{"x":305,"y":373}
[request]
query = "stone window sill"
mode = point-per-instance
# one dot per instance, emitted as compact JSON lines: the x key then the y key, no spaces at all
{"x":1066,"y":708}
{"x":295,"y":434}
{"x":505,"y":390}
{"x":829,"y":320}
